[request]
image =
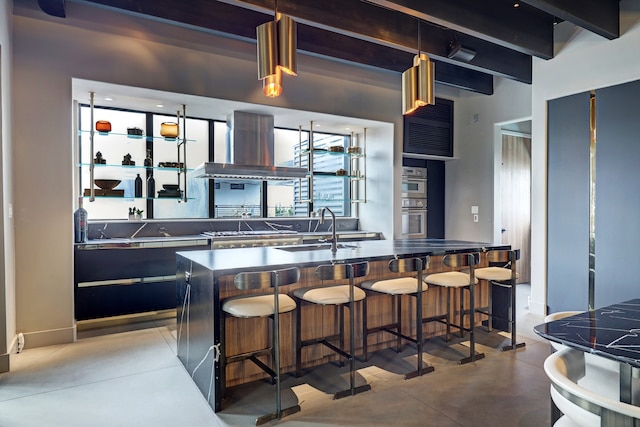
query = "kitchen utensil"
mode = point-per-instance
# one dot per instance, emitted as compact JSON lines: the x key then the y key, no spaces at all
{"x":107,"y":184}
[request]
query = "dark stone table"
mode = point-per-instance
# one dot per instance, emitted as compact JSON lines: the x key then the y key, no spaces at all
{"x":612,"y":332}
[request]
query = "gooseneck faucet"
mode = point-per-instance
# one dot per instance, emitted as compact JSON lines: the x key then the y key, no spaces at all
{"x":334,"y":238}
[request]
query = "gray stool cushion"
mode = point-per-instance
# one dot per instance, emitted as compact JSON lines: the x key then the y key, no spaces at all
{"x":329,"y":294}
{"x":399,"y":286}
{"x":257,"y":306}
{"x":449,"y":279}
{"x":497,"y":274}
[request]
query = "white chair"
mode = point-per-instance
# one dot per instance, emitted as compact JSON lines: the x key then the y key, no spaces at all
{"x":501,"y":272}
{"x":253,"y":306}
{"x":581,"y":403}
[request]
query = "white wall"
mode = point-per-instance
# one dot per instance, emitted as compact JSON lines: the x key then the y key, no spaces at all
{"x":7,"y":281}
{"x":94,"y":44}
{"x":583,"y":61}
{"x":470,"y":178}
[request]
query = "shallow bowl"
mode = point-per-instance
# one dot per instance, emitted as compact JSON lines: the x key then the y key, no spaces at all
{"x":107,"y":184}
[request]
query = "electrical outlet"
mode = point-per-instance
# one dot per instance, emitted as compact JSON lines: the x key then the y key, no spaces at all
{"x":475,"y":218}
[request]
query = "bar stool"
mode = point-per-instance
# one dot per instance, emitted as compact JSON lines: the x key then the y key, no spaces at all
{"x":505,"y":276}
{"x":263,"y":305}
{"x":341,"y":296}
{"x":397,"y":287}
{"x":457,"y":279}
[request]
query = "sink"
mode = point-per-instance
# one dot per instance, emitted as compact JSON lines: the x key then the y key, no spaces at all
{"x":315,"y":247}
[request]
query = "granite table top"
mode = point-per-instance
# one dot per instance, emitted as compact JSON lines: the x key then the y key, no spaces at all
{"x":612,"y":332}
{"x":232,"y":261}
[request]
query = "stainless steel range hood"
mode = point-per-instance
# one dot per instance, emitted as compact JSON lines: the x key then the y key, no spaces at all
{"x":249,"y":152}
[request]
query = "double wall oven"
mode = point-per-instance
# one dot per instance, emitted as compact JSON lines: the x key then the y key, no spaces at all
{"x":414,"y":203}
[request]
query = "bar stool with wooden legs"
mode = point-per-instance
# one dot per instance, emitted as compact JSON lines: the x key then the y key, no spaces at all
{"x":340,"y":296}
{"x":504,"y":274}
{"x":459,"y":280}
{"x":397,"y":287}
{"x":256,"y":306}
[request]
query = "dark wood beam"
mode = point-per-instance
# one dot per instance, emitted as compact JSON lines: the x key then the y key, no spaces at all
{"x":599,"y":16}
{"x":53,"y":7}
{"x":524,"y":29}
{"x":241,"y":23}
{"x":370,"y":22}
{"x":337,"y":46}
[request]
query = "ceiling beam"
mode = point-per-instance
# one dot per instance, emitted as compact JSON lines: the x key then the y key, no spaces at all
{"x":53,"y":7}
{"x":317,"y":41}
{"x":598,"y":16}
{"x":400,"y":31}
{"x":241,"y":23}
{"x":524,"y":29}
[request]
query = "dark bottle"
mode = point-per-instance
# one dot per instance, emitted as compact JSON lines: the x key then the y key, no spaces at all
{"x":147,"y":161}
{"x":80,"y":223}
{"x":151,"y":187}
{"x":138,"y":186}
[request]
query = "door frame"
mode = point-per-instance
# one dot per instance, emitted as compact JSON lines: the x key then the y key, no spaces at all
{"x":499,"y":130}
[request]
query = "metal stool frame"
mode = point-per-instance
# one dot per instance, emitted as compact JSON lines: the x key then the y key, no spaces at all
{"x":264,"y":280}
{"x":336,"y":272}
{"x":403,"y":265}
{"x":459,"y":261}
{"x":505,"y":259}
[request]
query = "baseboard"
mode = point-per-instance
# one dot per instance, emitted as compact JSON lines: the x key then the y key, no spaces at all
{"x":13,"y":347}
{"x":50,"y":337}
{"x":4,"y":363}
{"x":539,"y":308}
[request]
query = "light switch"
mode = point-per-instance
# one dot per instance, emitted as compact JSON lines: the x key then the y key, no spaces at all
{"x":475,"y":218}
{"x":474,"y":209}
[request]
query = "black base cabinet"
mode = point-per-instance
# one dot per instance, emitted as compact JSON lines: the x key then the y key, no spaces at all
{"x":114,"y":280}
{"x":199,"y":333}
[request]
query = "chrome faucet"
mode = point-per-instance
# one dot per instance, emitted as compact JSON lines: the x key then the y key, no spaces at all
{"x":334,"y":238}
{"x":163,"y":231}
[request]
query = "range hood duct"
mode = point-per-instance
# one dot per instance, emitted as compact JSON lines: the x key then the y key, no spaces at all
{"x":249,"y":152}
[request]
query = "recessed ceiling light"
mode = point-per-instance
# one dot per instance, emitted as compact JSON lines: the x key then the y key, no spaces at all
{"x":516,"y":4}
{"x":108,"y":99}
{"x":159,"y":105}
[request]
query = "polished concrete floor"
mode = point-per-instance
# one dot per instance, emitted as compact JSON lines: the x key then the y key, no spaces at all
{"x":125,"y":377}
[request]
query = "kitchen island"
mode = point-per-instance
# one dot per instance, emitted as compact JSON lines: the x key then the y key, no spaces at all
{"x":205,"y":278}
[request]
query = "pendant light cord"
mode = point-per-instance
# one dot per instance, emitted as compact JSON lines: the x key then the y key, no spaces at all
{"x":419,"y":38}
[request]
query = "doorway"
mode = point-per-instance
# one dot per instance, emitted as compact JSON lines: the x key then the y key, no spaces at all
{"x":515,"y":195}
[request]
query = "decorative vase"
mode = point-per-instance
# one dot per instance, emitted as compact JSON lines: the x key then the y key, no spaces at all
{"x":169,"y":130}
{"x":103,"y":126}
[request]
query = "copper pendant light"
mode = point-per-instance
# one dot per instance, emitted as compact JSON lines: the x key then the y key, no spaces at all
{"x":418,"y":82}
{"x":277,"y":46}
